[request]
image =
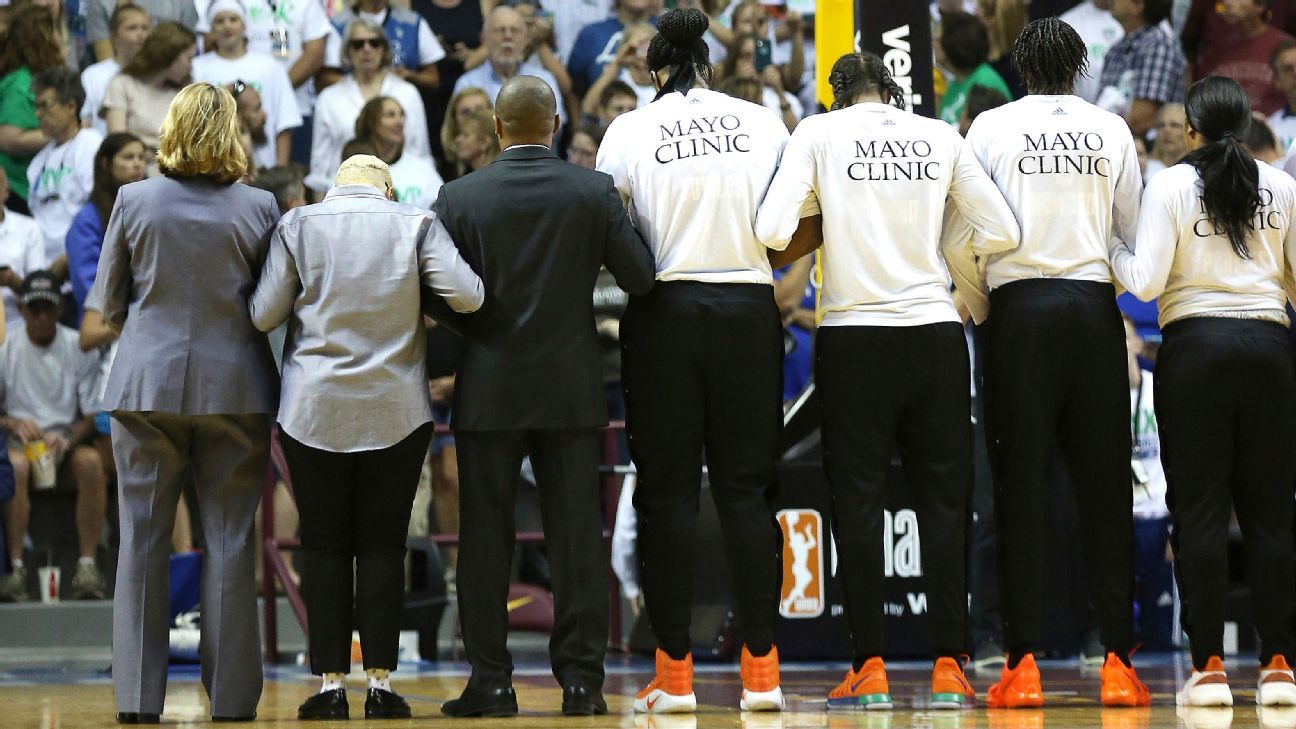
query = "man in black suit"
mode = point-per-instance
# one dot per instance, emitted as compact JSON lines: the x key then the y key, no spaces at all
{"x":537,"y":230}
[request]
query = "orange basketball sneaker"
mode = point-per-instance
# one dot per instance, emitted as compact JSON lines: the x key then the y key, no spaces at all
{"x":760,"y":680}
{"x":1121,"y":686}
{"x":1018,"y":688}
{"x":671,"y":690}
{"x":866,"y":688}
{"x":949,"y":687}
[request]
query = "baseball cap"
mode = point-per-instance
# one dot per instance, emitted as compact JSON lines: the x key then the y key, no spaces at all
{"x":40,"y":286}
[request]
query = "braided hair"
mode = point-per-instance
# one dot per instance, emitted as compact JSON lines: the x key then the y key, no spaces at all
{"x":679,"y":42}
{"x":857,"y":74}
{"x":1219,"y":110}
{"x":1049,"y":56}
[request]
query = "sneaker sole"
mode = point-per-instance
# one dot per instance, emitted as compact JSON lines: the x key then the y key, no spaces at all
{"x":869,"y":702}
{"x":1279,"y":695}
{"x":660,"y":702}
{"x":1209,"y":695}
{"x":1022,"y":703}
{"x":762,"y":700}
{"x":950,"y":701}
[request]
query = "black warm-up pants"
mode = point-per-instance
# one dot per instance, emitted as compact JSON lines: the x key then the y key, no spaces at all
{"x":355,"y":512}
{"x":702,"y":369}
{"x":1056,"y":371}
{"x":1226,"y":409}
{"x":879,"y":388}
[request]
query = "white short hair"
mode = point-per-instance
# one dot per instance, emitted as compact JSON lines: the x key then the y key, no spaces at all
{"x":364,"y":169}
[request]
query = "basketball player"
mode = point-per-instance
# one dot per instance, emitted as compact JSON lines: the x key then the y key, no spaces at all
{"x":1216,"y":244}
{"x":702,"y":353}
{"x":1056,"y":350}
{"x":891,"y":359}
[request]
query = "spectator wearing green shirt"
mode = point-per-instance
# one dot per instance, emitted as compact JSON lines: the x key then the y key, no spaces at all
{"x":963,"y":50}
{"x":29,"y":48}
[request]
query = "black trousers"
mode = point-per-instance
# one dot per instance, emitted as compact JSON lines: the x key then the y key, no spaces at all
{"x":883,"y":387}
{"x":1057,"y":372}
{"x":566,"y":471}
{"x":1226,"y":408}
{"x":702,"y":368}
{"x":985,"y":614}
{"x":355,"y":509}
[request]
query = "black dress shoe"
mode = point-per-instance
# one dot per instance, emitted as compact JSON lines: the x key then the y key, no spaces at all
{"x":325,"y":705}
{"x":131,"y":717}
{"x":580,"y":701}
{"x":382,"y":704}
{"x":483,"y":702}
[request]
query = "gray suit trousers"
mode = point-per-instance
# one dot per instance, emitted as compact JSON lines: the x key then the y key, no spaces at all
{"x":156,"y":453}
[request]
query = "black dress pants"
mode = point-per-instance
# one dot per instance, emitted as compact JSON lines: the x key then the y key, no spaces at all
{"x":1057,"y":373}
{"x":907,"y":386}
{"x":702,"y":369}
{"x":567,"y":480}
{"x":1226,"y":408}
{"x":355,"y":509}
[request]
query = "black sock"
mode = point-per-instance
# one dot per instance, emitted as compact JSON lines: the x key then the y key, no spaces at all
{"x":858,"y":663}
{"x":1123,"y":656}
{"x":1017,"y":652}
{"x":676,"y":654}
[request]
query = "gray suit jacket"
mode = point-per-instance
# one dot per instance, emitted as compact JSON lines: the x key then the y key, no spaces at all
{"x":180,"y":259}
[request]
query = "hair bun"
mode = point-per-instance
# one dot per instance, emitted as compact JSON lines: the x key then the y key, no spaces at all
{"x":683,"y":26}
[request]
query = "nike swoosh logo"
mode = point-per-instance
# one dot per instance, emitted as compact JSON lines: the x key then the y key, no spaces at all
{"x":857,"y":684}
{"x":651,"y":701}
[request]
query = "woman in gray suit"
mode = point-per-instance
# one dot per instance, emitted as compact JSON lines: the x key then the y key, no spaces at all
{"x":192,"y":391}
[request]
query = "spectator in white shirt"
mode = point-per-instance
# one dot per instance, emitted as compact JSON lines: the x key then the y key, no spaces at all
{"x":1216,"y":247}
{"x":505,"y":37}
{"x":368,"y":52}
{"x":230,"y":62}
{"x":128,"y":25}
{"x":1093,"y":20}
{"x":1056,"y":370}
{"x":892,"y":362}
{"x":415,"y":50}
{"x":61,"y":175}
{"x":47,"y":389}
{"x":380,"y":131}
{"x":22,"y":251}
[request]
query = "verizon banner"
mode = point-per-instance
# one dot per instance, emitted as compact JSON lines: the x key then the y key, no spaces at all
{"x":897,"y":30}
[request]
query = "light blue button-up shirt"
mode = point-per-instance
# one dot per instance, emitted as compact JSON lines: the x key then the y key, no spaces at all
{"x":345,"y":274}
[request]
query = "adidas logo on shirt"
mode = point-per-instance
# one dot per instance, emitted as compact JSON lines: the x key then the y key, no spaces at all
{"x":888,"y":123}
{"x":1059,"y":112}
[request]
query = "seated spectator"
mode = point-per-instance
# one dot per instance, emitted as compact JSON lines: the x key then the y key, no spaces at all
{"x":267,"y":104}
{"x":463,"y":104}
{"x":629,"y":68}
{"x":61,"y":175}
{"x":744,"y":61}
{"x":128,"y":27}
{"x":286,"y":184}
{"x":590,"y":51}
{"x":979,"y":99}
{"x":1283,"y":121}
{"x":476,"y":144}
{"x":1145,"y":70}
{"x":22,"y":251}
{"x":505,"y":39}
{"x":617,"y":98}
{"x":46,"y":387}
{"x":1171,"y":139}
{"x":381,"y":128}
{"x":963,"y":49}
{"x":541,"y":50}
{"x":99,"y":20}
{"x":369,"y":56}
{"x":137,"y":99}
{"x":118,"y":161}
{"x":1246,"y":55}
{"x":415,"y":51}
{"x":1261,"y":143}
{"x":29,"y":48}
{"x":584,"y":146}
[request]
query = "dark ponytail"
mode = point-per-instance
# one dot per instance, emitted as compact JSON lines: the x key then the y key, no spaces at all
{"x":1048,"y":56}
{"x":856,"y":74}
{"x":679,"y":43}
{"x":1218,"y":109}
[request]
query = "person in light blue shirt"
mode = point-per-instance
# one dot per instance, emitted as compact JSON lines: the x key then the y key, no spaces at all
{"x":504,"y":35}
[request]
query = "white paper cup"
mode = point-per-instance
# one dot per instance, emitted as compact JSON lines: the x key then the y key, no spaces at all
{"x":50,"y":582}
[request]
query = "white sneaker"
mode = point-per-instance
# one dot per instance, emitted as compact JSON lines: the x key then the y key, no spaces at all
{"x":677,"y":676}
{"x":762,"y":700}
{"x":660,"y":702}
{"x":1277,"y":687}
{"x":1206,"y":688}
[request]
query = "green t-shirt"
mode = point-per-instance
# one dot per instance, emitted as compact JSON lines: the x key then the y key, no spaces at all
{"x":17,"y":109}
{"x":955,"y":98}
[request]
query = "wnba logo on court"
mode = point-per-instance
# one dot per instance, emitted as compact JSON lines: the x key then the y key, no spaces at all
{"x":803,"y":578}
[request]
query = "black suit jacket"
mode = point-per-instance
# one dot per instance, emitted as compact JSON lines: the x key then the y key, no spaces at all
{"x":537,"y":230}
